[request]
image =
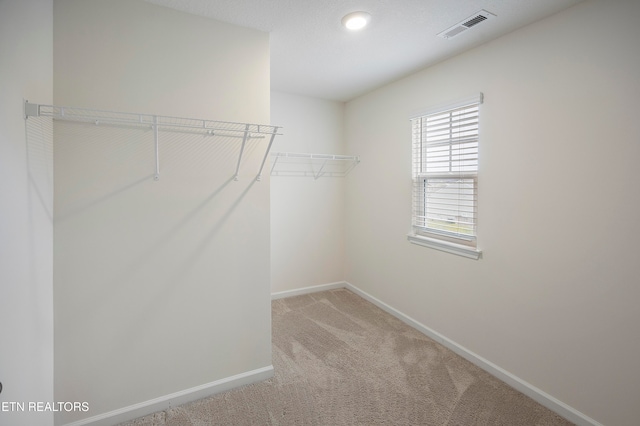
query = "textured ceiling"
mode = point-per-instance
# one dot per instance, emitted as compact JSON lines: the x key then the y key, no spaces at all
{"x":313,"y":55}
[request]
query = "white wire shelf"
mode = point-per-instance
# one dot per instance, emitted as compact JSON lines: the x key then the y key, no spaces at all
{"x":244,"y":131}
{"x":313,"y":165}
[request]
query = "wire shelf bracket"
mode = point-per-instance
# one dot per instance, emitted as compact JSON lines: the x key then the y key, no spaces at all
{"x":246,"y":131}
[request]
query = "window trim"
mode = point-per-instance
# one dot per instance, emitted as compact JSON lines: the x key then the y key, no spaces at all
{"x":446,"y":246}
{"x":441,"y":241}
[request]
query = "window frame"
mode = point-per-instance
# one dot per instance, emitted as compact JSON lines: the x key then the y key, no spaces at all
{"x":460,"y":242}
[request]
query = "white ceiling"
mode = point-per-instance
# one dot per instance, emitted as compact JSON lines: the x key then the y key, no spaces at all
{"x":313,"y":55}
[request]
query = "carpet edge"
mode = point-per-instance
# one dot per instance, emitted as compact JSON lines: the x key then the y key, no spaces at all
{"x":512,"y":380}
{"x":308,"y":290}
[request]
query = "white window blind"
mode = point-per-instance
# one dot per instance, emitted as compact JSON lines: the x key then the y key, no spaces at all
{"x":445,"y":172}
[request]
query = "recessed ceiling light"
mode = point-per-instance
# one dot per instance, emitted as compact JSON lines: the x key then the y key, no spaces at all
{"x":356,"y":20}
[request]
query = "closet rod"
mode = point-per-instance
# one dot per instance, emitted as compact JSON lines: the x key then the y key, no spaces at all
{"x":245,"y":131}
{"x":323,"y":160}
{"x":103,"y":116}
{"x":300,"y":155}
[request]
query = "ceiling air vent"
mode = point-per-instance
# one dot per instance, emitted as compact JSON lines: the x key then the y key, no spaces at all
{"x":467,"y":23}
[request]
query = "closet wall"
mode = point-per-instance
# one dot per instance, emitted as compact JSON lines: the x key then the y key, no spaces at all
{"x":26,"y":204}
{"x":159,"y":286}
{"x":307,"y":214}
{"x":554,"y":299}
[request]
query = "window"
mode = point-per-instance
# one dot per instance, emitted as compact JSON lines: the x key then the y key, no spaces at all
{"x":445,"y":177}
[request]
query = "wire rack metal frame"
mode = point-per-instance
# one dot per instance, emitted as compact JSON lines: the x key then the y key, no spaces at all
{"x":316,"y":165}
{"x":244,"y":131}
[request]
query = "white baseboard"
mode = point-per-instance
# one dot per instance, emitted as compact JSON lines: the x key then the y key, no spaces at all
{"x":203,"y":391}
{"x":182,"y":397}
{"x":515,"y":382}
{"x":307,"y":290}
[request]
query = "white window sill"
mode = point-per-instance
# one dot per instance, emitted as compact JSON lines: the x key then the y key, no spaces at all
{"x":446,"y":246}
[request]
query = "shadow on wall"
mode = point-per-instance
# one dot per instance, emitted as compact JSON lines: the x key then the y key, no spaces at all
{"x":103,"y":175}
{"x":137,"y":259}
{"x":39,"y":149}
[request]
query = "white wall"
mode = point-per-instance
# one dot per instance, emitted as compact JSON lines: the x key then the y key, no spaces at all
{"x":554,"y":300}
{"x":307,"y":214}
{"x":26,"y":202}
{"x":159,"y":286}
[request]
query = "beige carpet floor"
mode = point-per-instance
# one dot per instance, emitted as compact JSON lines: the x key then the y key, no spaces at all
{"x":339,"y":360}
